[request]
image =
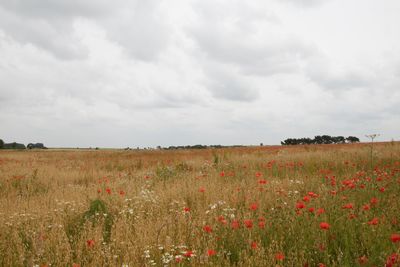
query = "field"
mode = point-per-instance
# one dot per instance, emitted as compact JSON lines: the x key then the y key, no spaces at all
{"x":326,"y":205}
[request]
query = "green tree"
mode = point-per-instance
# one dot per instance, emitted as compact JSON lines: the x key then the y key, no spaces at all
{"x":1,"y":144}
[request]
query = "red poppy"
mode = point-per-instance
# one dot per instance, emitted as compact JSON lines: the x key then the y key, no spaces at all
{"x":374,"y":221}
{"x":324,"y":225}
{"x":248,"y":223}
{"x":211,"y":252}
{"x":362,"y":260}
{"x":306,"y":198}
{"x":311,"y":210}
{"x":261,"y":224}
{"x":186,"y":209}
{"x":202,"y":190}
{"x":366,"y":207}
{"x":320,"y":211}
{"x":374,"y":201}
{"x":108,"y":190}
{"x":90,"y":243}
{"x":188,"y":254}
{"x":207,"y":229}
{"x":222,"y":174}
{"x":279,"y":256}
{"x":222,"y":220}
{"x":254,"y":245}
{"x":382,"y":189}
{"x":121,"y":192}
{"x":352,"y":216}
{"x":254,"y":206}
{"x":300,"y":205}
{"x":262,"y":181}
{"x":235,"y":224}
{"x":348,"y":206}
{"x":395,"y":238}
{"x":392,"y":259}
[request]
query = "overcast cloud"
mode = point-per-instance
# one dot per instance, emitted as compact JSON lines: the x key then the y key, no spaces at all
{"x":157,"y":72}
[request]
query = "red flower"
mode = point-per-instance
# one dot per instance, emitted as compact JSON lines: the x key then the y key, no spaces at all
{"x":211,"y":252}
{"x":312,"y":194}
{"x":90,"y":243}
{"x":235,"y":224}
{"x":321,"y":265}
{"x":99,"y":191}
{"x":366,"y":207}
{"x":382,"y":189}
{"x":108,"y":190}
{"x":202,"y":190}
{"x":374,"y":221}
{"x":254,"y":245}
{"x":121,"y":192}
{"x":254,"y":206}
{"x":362,"y":260}
{"x":188,"y":254}
{"x":279,"y":256}
{"x":306,"y":198}
{"x":352,"y":216}
{"x":262,"y":181}
{"x":222,"y":220}
{"x":248,"y":223}
{"x":324,"y":226}
{"x":311,"y":210}
{"x":392,"y":259}
{"x":258,"y":174}
{"x":207,"y":228}
{"x":348,"y":206}
{"x":186,"y":209}
{"x":300,"y":205}
{"x":320,"y":211}
{"x":374,"y":201}
{"x":261,"y":224}
{"x":222,"y":174}
{"x":395,"y":238}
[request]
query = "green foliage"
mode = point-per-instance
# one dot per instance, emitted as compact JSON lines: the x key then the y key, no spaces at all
{"x":320,"y":139}
{"x":97,"y":214}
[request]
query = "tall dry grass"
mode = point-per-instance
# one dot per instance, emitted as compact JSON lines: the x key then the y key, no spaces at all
{"x":260,"y":206}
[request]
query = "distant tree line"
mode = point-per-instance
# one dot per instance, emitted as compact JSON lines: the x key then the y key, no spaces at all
{"x":195,"y":147}
{"x":320,"y":139}
{"x":15,"y":145}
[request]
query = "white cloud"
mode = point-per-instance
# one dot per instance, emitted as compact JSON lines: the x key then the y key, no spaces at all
{"x":97,"y":73}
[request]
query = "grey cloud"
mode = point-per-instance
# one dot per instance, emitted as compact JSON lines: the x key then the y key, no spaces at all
{"x":306,"y":3}
{"x":56,"y":9}
{"x":54,"y":36}
{"x":254,"y":44}
{"x":342,"y":81}
{"x":137,"y":26}
{"x":140,"y":29}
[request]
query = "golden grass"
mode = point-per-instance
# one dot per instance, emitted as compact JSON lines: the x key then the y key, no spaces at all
{"x":56,"y":205}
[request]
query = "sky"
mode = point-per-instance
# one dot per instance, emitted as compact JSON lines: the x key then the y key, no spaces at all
{"x":144,"y":73}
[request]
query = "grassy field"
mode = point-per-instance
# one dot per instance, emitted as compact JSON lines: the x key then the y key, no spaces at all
{"x":327,"y":205}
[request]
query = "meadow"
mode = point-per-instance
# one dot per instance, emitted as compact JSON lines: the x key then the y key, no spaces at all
{"x":315,"y":205}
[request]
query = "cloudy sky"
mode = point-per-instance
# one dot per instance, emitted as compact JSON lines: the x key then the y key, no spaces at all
{"x":175,"y":72}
